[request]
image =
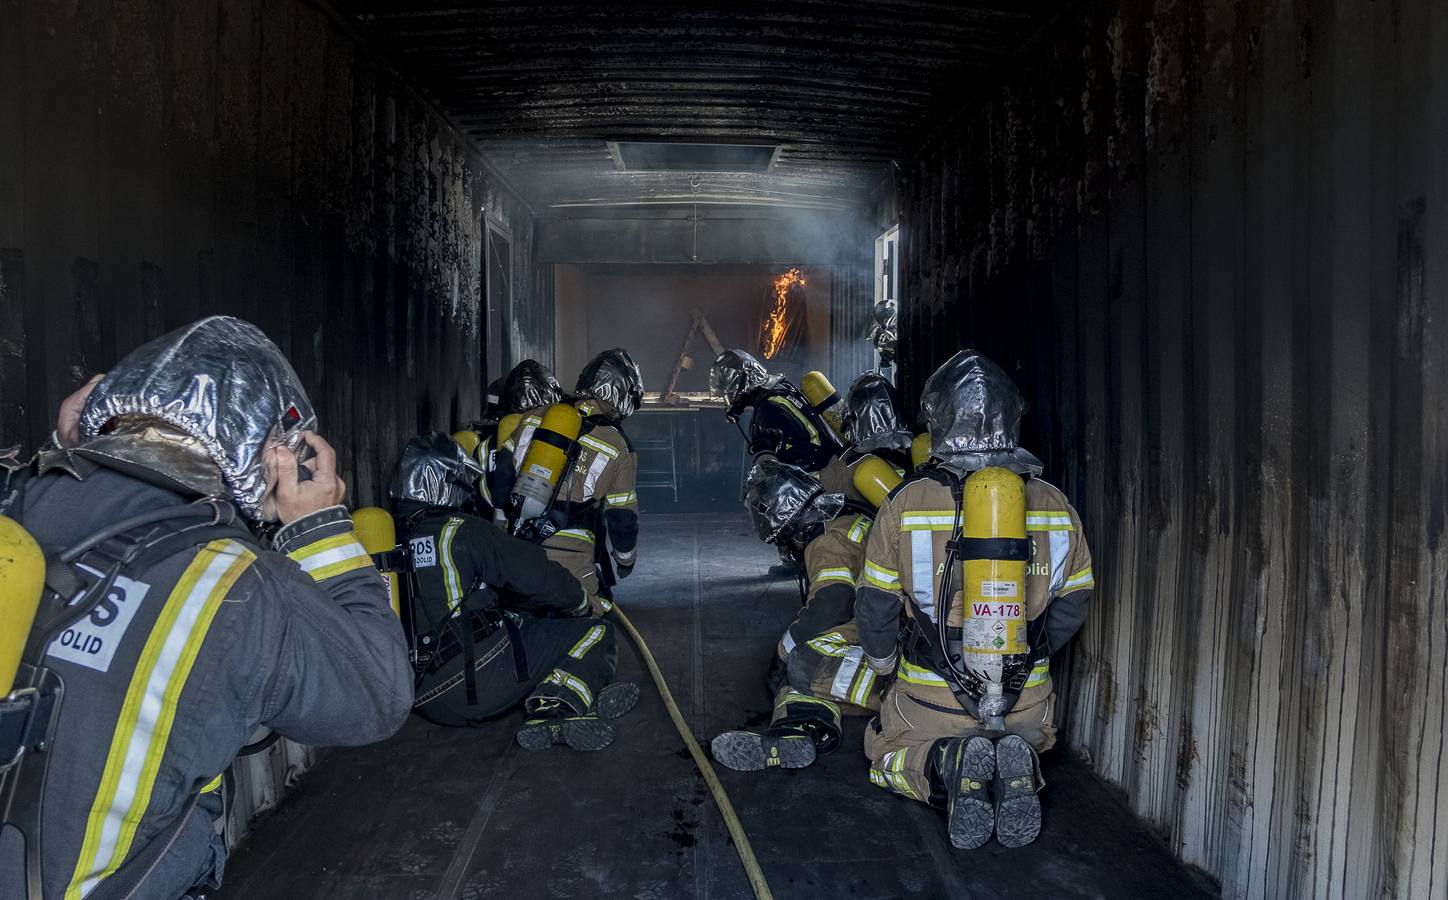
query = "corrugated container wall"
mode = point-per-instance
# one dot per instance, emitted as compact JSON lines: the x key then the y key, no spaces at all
{"x":1210,"y":241}
{"x":161,"y":161}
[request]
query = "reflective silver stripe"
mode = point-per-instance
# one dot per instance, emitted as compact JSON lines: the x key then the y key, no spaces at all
{"x":1060,"y":547}
{"x":451,"y":579}
{"x":849,"y":665}
{"x":595,"y":470}
{"x":787,"y":641}
{"x":864,"y":684}
{"x":922,"y":571}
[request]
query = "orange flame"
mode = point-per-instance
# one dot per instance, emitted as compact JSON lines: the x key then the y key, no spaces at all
{"x":775,"y":326}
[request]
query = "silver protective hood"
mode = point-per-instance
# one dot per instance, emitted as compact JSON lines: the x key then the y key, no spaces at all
{"x":614,"y":378}
{"x":530,"y":386}
{"x":884,"y":327}
{"x":973,"y":411}
{"x":736,"y":373}
{"x":435,"y":470}
{"x":784,"y":500}
{"x":221,"y":383}
{"x":872,"y":415}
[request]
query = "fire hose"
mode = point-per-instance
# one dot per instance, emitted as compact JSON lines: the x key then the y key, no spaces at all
{"x":711,"y":778}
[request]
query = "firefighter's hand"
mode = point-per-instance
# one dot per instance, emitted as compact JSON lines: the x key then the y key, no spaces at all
{"x":766,"y":440}
{"x":67,"y":421}
{"x":292,"y":495}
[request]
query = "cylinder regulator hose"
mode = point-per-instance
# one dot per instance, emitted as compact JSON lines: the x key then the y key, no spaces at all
{"x":711,"y":778}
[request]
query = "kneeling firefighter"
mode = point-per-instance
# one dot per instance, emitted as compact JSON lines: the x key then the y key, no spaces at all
{"x":529,"y":387}
{"x":186,"y":628}
{"x":785,"y":423}
{"x":871,"y":425}
{"x":495,"y":622}
{"x":992,"y":570}
{"x":575,"y":491}
{"x":818,"y":672}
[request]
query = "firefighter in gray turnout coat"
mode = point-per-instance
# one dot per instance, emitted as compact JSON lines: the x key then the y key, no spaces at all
{"x":209,"y":631}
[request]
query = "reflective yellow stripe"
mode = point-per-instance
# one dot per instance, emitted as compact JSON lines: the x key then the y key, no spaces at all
{"x":1040,"y":674}
{"x":881,"y":577}
{"x":574,"y":684}
{"x":143,"y":728}
{"x":928,"y":520}
{"x":1048,"y":520}
{"x":864,"y":684}
{"x":211,"y":785}
{"x":835,"y":573}
{"x":917,"y":675}
{"x":586,"y":642}
{"x":578,"y":534}
{"x":451,"y":579}
{"x":814,"y":434}
{"x":1082,"y":579}
{"x":621,"y":499}
{"x":331,"y":557}
{"x":860,"y":529}
{"x":595,"y":444}
{"x":830,"y":644}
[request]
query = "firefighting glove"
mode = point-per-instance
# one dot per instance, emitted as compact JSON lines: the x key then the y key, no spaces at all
{"x":766,"y":440}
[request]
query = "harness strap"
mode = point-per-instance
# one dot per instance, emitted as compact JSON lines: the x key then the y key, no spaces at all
{"x":520,"y":653}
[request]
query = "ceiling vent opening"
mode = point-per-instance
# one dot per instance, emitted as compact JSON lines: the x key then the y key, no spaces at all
{"x":648,"y":156}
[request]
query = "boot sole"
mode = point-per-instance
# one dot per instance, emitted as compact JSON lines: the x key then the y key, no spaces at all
{"x":615,"y":700}
{"x":745,"y":751}
{"x":579,"y":734}
{"x":1018,"y":809}
{"x":971,"y":817}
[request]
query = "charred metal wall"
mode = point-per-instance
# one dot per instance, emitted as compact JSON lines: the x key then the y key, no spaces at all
{"x":1210,"y":241}
{"x":161,"y":160}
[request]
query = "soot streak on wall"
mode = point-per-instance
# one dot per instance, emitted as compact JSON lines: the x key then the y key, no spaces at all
{"x":162,"y":161}
{"x":1209,"y":241}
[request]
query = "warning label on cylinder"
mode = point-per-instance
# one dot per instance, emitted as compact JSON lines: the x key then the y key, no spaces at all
{"x":542,"y":472}
{"x":999,"y":589}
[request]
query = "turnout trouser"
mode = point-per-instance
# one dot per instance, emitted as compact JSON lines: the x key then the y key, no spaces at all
{"x":574,"y":550}
{"x":566,"y":659}
{"x":899,"y":741}
{"x":832,"y":665}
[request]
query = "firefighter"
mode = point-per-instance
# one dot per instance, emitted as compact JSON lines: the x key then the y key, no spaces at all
{"x":972,"y":701}
{"x":529,"y":386}
{"x":209,"y":630}
{"x":818,"y":671}
{"x":872,"y":426}
{"x":594,"y":513}
{"x":784,"y":423}
{"x":495,"y":622}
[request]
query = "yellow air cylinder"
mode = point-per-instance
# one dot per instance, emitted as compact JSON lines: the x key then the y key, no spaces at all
{"x":823,"y":399}
{"x":508,"y":428}
{"x":875,"y":479}
{"x":543,"y":464}
{"x":920,"y":450}
{"x":22,"y":581}
{"x":993,"y":626}
{"x":378,"y":533}
{"x":468,"y":440}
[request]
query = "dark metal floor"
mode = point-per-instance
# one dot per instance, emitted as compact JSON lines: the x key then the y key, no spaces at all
{"x":442,"y":813}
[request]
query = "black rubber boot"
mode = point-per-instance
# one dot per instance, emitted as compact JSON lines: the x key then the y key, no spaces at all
{"x":968,"y":769}
{"x":1017,"y":808}
{"x":747,"y":751}
{"x":615,"y":700}
{"x":551,"y":722}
